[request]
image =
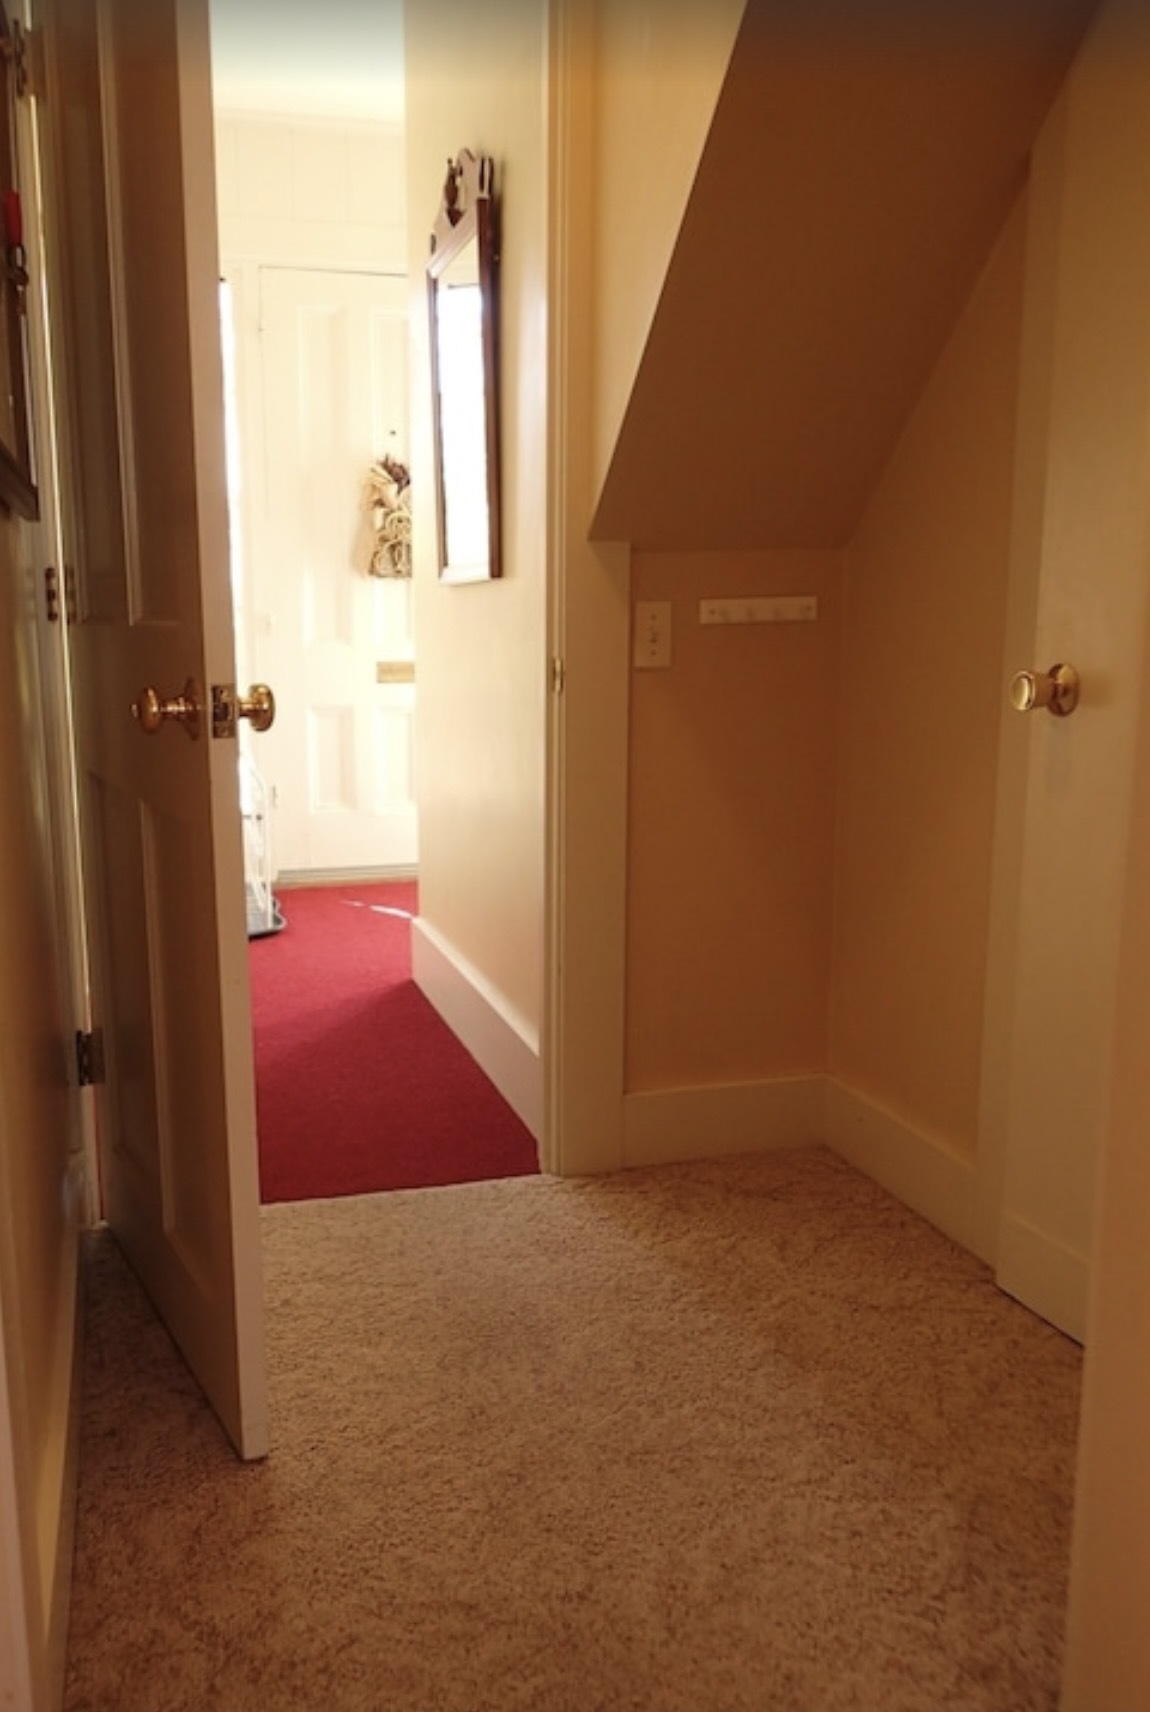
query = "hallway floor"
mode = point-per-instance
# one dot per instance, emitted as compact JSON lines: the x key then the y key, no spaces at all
{"x":740,"y":1436}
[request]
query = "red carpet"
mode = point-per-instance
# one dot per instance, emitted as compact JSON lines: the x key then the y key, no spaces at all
{"x":359,"y":1084}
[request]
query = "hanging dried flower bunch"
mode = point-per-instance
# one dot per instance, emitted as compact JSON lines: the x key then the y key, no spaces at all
{"x":387,"y":502}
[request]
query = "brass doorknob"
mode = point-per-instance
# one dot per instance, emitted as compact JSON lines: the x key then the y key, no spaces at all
{"x":1055,"y":690}
{"x":152,"y":709}
{"x":258,"y":707}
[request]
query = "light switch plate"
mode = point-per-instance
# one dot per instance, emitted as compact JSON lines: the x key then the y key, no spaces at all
{"x":651,"y":637}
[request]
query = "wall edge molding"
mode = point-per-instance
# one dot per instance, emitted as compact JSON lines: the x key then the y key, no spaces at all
{"x":501,"y":1043}
{"x":1043,"y":1274}
{"x":917,"y":1168}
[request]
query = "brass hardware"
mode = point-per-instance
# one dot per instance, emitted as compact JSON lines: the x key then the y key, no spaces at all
{"x":229,"y":707}
{"x":151,"y":709}
{"x":1055,"y":690}
{"x":52,"y":595}
{"x":395,"y":671}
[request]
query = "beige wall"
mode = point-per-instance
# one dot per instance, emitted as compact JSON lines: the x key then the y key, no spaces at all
{"x":920,"y":703}
{"x":39,"y":1185}
{"x":732,"y":794}
{"x":660,"y":66}
{"x":1108,"y":1638}
{"x":476,"y":79}
{"x":849,"y":190}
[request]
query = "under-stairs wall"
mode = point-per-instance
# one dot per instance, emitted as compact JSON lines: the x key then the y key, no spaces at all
{"x":921,"y":697}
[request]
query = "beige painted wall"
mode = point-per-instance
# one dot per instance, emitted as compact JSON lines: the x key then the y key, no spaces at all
{"x":476,"y":79}
{"x":850,"y":188}
{"x":660,"y":66}
{"x":1108,"y":1638}
{"x":732,"y":800}
{"x":39,"y":1171}
{"x":920,"y":704}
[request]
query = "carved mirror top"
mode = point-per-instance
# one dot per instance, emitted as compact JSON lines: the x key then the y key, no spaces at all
{"x":470,"y":180}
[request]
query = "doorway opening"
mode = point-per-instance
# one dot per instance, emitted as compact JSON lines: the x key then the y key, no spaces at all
{"x":314,"y":310}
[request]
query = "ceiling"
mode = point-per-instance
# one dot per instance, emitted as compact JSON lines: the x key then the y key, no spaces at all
{"x":341,"y":59}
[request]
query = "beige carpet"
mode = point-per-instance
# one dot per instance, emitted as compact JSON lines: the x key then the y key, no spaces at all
{"x":739,"y":1435}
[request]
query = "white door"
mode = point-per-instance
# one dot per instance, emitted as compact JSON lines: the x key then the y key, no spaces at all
{"x":336,"y":641}
{"x":131,"y":204}
{"x":1083,"y":528}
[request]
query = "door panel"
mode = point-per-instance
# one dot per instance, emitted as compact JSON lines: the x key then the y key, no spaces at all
{"x":333,"y":349}
{"x":131,"y":186}
{"x":1085,"y":523}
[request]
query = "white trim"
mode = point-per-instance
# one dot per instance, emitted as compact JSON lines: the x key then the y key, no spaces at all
{"x":588,"y":629}
{"x":919,"y":1169}
{"x":664,"y":1125}
{"x":1050,"y":1279}
{"x":294,"y":877}
{"x":502,"y":1043}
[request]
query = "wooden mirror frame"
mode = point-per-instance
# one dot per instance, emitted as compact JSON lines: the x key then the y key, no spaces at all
{"x":468,"y":214}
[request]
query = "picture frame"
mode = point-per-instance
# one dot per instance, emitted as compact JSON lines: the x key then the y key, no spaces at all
{"x":18,"y":492}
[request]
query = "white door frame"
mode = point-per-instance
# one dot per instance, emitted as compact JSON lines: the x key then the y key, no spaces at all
{"x":587,"y":711}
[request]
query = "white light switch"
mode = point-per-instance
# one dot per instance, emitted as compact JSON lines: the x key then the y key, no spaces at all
{"x":760,"y":609}
{"x":651,"y":638}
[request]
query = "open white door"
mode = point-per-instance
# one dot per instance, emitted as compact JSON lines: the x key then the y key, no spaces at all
{"x":132,"y":229}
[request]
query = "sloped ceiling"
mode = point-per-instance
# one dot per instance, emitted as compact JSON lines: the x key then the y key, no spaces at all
{"x":852,"y":184}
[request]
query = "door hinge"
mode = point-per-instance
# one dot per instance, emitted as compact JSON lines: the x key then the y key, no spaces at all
{"x":558,"y":675}
{"x":52,"y":594}
{"x":21,"y":49}
{"x":89,"y":1057}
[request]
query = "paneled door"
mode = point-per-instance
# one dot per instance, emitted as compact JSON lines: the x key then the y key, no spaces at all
{"x":130,"y":214}
{"x":336,"y":641}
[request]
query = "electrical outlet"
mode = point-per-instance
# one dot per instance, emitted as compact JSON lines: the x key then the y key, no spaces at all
{"x":651,"y":636}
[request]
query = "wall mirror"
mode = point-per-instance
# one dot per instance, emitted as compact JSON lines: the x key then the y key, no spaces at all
{"x":462,"y":287}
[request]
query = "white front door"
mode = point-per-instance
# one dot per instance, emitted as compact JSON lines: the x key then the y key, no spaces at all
{"x":336,"y":641}
{"x":131,"y":214}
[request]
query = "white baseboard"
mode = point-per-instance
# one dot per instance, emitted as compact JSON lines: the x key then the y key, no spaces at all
{"x":919,"y":1170}
{"x":289,"y":877}
{"x":1050,"y":1279}
{"x":503,"y":1045}
{"x":666,"y":1125}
